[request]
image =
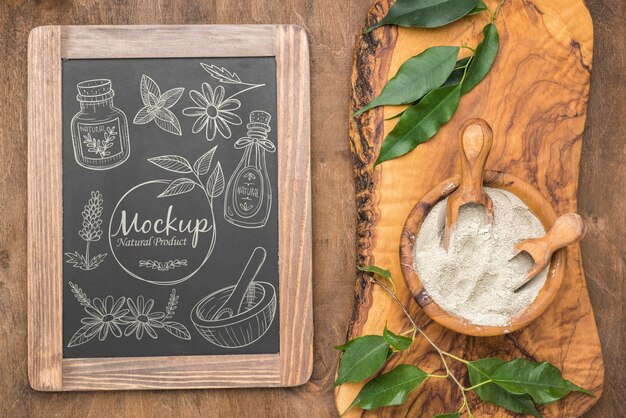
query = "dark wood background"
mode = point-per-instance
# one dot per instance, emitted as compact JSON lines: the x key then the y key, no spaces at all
{"x":332,"y":26}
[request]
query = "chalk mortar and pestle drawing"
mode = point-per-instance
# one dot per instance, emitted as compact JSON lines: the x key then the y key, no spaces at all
{"x":239,"y":315}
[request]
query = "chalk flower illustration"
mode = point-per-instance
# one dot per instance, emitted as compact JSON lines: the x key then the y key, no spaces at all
{"x":104,"y":317}
{"x":90,"y":232}
{"x":109,"y":316}
{"x":142,"y":319}
{"x":157,"y":106}
{"x":213,"y":112}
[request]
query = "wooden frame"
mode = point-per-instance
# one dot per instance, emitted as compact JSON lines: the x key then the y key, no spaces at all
{"x":47,"y":47}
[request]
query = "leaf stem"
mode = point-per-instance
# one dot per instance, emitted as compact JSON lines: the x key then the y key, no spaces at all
{"x":87,"y":262}
{"x":494,"y":15}
{"x":441,"y":353}
{"x":478,"y":385}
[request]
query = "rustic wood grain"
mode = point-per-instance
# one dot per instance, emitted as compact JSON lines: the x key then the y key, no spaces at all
{"x":45,"y":241}
{"x":332,"y":28}
{"x":535,"y":99}
{"x":294,"y":205}
{"x":293,"y":364}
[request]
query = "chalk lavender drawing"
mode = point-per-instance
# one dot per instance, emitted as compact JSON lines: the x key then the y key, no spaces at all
{"x":162,"y":266}
{"x":99,"y":130}
{"x":239,"y":315}
{"x":156,"y":106}
{"x":189,"y":223}
{"x":248,"y":201}
{"x":213,"y":111}
{"x":124,"y":316}
{"x":90,"y":232}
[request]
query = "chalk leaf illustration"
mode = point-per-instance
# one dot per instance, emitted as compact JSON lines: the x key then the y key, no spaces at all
{"x":179,"y":186}
{"x":215,"y":183}
{"x":124,"y":317}
{"x":91,"y":232}
{"x":221,"y":74}
{"x":157,"y":106}
{"x":173,"y":163}
{"x":177,"y":330}
{"x":202,"y":164}
{"x":100,"y":147}
{"x":214,"y":113}
{"x":162,"y":266}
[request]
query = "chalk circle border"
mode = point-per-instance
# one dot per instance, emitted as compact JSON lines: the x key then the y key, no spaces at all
{"x":160,"y":283}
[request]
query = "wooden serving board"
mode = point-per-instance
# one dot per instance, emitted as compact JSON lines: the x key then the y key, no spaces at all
{"x":535,"y":99}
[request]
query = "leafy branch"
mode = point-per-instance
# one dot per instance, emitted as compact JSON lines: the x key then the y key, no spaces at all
{"x":172,"y":303}
{"x":80,"y":295}
{"x":518,"y":385}
{"x":432,"y":82}
{"x":177,"y":164}
{"x":162,"y":266}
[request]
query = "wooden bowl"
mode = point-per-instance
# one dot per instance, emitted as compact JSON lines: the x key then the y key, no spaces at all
{"x":540,"y":207}
{"x":239,"y":330}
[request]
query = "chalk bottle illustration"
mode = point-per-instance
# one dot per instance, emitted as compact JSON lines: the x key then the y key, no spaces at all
{"x":99,"y":129}
{"x":248,"y":200}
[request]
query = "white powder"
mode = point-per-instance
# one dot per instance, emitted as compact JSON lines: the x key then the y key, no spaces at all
{"x":475,"y":279}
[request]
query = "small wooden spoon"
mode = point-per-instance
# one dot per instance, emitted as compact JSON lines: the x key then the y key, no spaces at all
{"x":475,"y":139}
{"x":232,"y":305}
{"x":566,"y":230}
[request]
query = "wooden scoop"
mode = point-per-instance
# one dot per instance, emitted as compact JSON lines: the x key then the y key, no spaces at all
{"x":567,"y":229}
{"x":233,"y":304}
{"x":475,"y":139}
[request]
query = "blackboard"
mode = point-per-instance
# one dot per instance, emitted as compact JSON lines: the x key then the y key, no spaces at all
{"x":169,"y":207}
{"x":170,"y":180}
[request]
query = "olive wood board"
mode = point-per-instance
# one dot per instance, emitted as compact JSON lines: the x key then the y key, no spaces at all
{"x":535,"y":99}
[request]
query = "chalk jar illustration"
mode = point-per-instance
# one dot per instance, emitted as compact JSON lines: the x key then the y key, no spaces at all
{"x":248,"y":200}
{"x":99,"y":129}
{"x":239,"y":315}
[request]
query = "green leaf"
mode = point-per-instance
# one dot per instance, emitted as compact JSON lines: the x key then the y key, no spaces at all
{"x":364,"y":357}
{"x":389,"y":388}
{"x":425,"y":13}
{"x":481,"y":371}
{"x":376,"y":270}
{"x":399,"y":342}
{"x":480,"y":7}
{"x":345,"y":345}
{"x":484,"y":57}
{"x":420,"y":122}
{"x":450,"y":415}
{"x":542,"y":381}
{"x":454,"y":78}
{"x":416,"y":77}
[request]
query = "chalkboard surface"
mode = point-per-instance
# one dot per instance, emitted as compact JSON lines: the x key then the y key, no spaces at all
{"x":169,"y":201}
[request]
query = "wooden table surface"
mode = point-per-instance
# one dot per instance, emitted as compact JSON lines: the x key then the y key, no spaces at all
{"x":332,"y":26}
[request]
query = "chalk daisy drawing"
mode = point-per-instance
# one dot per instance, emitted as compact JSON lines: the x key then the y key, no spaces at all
{"x":124,"y":317}
{"x":90,"y":232}
{"x":214,"y":112}
{"x":157,"y":106}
